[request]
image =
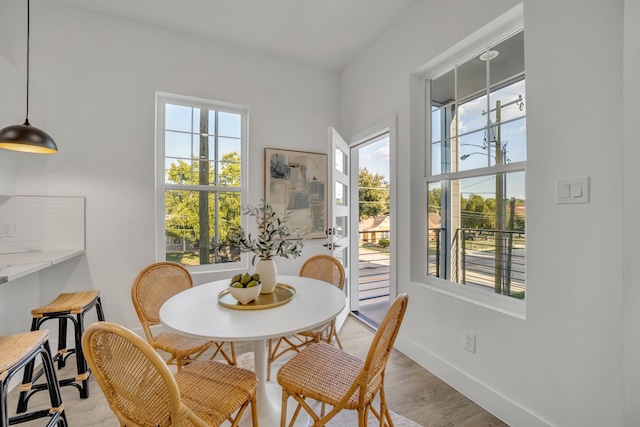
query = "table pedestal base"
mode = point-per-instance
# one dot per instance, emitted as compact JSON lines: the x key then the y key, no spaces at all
{"x":269,"y":396}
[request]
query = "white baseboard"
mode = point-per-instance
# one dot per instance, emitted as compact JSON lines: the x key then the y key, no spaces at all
{"x":497,"y":404}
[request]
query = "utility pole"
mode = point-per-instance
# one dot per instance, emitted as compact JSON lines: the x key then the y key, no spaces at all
{"x":203,"y":179}
{"x":499,"y":246}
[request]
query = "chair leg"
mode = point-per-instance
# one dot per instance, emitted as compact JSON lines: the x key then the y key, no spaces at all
{"x":335,"y":335}
{"x":363,"y":417}
{"x":231,"y":360}
{"x":235,"y":420}
{"x":269,"y":359}
{"x":254,"y":411}
{"x":233,"y":354}
{"x":283,"y":412}
{"x":384,"y":408}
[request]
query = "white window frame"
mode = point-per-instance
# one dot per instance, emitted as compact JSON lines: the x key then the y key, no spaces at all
{"x":163,"y":98}
{"x":504,"y":26}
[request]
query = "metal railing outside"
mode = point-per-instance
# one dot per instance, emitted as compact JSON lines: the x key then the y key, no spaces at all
{"x":488,"y":259}
{"x":493,"y":258}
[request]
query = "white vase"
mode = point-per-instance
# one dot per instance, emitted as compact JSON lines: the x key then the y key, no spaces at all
{"x":268,"y":272}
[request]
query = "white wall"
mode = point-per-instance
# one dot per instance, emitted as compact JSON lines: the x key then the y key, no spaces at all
{"x":93,"y":81}
{"x":562,"y":365}
{"x":631,"y":211}
{"x":93,"y":84}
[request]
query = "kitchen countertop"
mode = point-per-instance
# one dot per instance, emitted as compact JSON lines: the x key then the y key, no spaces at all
{"x":19,"y":264}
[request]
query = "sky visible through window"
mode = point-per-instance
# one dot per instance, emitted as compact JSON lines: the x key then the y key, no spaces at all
{"x":475,"y":148}
{"x":182,"y":133}
{"x":375,"y":157}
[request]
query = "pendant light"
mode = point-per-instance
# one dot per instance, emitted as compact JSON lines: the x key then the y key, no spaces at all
{"x":26,"y":137}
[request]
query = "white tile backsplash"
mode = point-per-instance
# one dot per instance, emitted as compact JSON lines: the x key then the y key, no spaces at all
{"x":42,"y":223}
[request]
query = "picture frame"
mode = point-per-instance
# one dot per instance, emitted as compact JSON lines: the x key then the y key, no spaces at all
{"x":296,"y":182}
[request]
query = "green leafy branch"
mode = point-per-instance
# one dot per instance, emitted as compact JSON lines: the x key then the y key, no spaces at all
{"x":274,"y":239}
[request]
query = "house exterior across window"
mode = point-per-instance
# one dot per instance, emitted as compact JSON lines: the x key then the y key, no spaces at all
{"x":373,"y":229}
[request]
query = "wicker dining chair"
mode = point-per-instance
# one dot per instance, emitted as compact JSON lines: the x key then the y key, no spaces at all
{"x":142,"y":391}
{"x":154,"y":285}
{"x":328,"y":269}
{"x":332,"y":376}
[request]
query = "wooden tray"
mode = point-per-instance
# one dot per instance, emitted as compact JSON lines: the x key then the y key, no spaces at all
{"x":282,"y":294}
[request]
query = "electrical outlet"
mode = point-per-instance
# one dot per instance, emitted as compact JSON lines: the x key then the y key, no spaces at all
{"x":469,"y":342}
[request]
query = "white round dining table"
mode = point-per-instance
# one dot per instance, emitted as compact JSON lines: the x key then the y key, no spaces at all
{"x":196,"y":312}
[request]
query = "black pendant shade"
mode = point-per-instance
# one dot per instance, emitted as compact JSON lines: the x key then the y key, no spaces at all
{"x":26,"y":137}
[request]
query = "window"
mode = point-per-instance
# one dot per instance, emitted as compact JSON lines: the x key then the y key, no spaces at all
{"x":201,"y":163}
{"x":476,"y":160}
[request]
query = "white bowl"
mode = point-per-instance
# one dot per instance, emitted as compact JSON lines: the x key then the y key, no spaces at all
{"x":245,"y":295}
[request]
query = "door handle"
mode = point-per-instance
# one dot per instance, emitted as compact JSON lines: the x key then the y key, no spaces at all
{"x":331,"y":246}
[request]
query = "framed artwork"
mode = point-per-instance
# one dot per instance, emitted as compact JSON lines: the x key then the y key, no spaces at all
{"x":296,"y":182}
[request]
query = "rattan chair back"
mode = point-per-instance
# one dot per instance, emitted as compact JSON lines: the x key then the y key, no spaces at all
{"x":382,"y":344}
{"x":135,"y":380}
{"x":348,"y":382}
{"x":324,"y":267}
{"x":142,"y":391}
{"x":154,"y":285}
{"x":321,"y":267}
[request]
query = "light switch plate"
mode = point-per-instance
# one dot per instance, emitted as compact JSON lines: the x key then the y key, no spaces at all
{"x":572,"y":190}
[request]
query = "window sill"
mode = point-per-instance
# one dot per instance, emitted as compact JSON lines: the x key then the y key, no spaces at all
{"x":499,"y":303}
{"x":227,"y":267}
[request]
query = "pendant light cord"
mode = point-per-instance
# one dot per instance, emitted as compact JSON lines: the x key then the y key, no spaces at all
{"x":26,"y":120}
{"x":25,"y":137}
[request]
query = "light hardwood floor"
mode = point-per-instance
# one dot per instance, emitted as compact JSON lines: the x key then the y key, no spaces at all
{"x":411,"y":391}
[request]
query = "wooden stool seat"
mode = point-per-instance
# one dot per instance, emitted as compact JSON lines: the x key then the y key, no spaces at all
{"x":17,"y":347}
{"x":65,"y":307}
{"x":72,"y":303}
{"x":16,"y":351}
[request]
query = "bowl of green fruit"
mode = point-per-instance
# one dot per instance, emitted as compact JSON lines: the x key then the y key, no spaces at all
{"x":245,"y":287}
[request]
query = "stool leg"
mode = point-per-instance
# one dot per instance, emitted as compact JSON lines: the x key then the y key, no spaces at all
{"x":52,"y":381}
{"x":27,"y":376}
{"x":4,"y":411}
{"x":62,"y":342}
{"x":81,"y":380}
{"x":55,"y":413}
{"x":81,"y":362}
{"x":99,"y":309}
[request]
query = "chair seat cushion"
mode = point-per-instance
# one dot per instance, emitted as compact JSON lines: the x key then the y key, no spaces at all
{"x":322,"y":372}
{"x":214,"y":390}
{"x":172,"y":342}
